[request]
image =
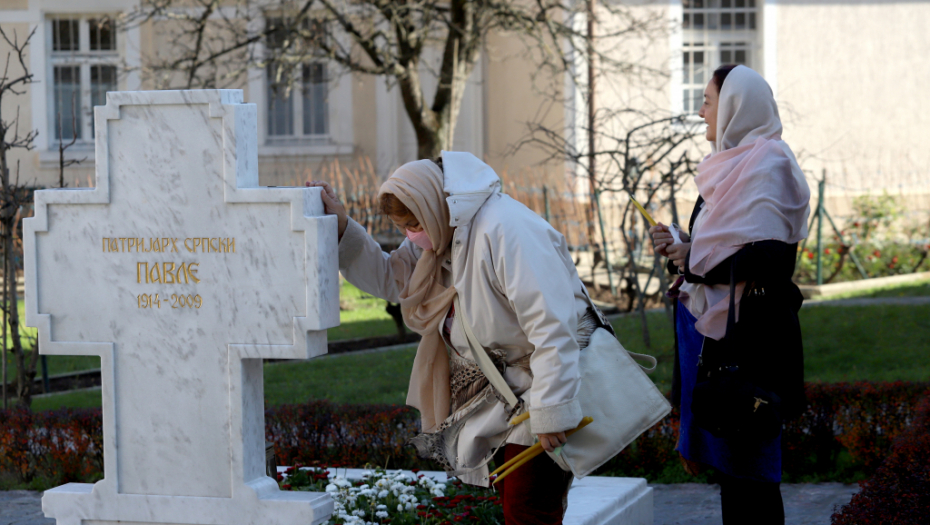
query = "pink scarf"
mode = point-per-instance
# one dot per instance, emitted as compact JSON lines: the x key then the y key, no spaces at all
{"x":753,"y":190}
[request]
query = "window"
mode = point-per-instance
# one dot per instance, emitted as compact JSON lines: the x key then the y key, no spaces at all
{"x":715,"y":32}
{"x":300,"y":112}
{"x":83,"y":62}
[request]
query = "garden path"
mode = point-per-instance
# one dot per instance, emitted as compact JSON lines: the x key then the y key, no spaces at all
{"x":699,"y":504}
{"x":869,"y":301}
{"x":680,"y":504}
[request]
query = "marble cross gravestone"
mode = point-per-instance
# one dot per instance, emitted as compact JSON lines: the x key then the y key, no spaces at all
{"x":181,"y":274}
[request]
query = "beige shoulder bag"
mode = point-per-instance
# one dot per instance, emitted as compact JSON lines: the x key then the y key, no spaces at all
{"x":615,"y":391}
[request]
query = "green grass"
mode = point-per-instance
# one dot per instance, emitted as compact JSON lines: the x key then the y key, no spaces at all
{"x":378,"y":377}
{"x":365,"y":318}
{"x":874,"y":343}
{"x":76,"y":399}
{"x":361,"y":315}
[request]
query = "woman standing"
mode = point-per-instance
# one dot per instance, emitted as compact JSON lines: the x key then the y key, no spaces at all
{"x":522,"y":298}
{"x":751,"y":213}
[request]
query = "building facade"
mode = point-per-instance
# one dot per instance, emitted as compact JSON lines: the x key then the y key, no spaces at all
{"x":850,"y":77}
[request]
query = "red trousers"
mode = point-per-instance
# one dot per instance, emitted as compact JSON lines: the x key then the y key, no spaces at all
{"x":534,"y":494}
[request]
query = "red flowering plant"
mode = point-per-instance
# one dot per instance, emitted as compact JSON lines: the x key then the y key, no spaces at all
{"x":46,"y":449}
{"x":398,"y":498}
{"x":899,"y":492}
{"x":844,"y":434}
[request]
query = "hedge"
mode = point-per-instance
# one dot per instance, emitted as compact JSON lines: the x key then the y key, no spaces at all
{"x":899,"y":492}
{"x":844,"y":435}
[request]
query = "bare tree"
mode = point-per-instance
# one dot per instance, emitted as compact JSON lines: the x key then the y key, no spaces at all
{"x":216,"y":43}
{"x":11,"y":201}
{"x":62,"y":147}
{"x":650,"y":159}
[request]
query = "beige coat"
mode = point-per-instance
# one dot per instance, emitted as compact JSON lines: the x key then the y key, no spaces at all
{"x":521,"y":293}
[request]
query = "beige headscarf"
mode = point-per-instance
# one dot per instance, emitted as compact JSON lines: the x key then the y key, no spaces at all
{"x":424,"y":301}
{"x":753,"y":190}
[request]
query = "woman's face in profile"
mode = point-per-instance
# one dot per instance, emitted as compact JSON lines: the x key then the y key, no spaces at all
{"x":708,"y":110}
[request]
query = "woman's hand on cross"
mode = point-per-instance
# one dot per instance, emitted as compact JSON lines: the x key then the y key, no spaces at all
{"x":331,"y":204}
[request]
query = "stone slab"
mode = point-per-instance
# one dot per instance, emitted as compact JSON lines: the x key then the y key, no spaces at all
{"x":593,"y":500}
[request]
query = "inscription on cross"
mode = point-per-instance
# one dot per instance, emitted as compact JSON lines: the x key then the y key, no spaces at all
{"x":181,"y":273}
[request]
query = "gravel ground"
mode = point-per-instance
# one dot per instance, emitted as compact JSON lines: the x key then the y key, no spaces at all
{"x":685,"y":504}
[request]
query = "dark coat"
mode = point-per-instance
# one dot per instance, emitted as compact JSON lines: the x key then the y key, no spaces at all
{"x":767,"y":335}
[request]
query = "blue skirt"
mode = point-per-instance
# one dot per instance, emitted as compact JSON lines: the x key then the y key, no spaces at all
{"x":760,"y":461}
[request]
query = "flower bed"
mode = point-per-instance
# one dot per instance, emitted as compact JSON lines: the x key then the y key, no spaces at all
{"x":383,"y":497}
{"x":899,"y":492}
{"x":844,"y":435}
{"x":878,"y":259}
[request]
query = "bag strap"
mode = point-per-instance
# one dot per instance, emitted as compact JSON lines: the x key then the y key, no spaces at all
{"x":645,"y":357}
{"x":484,"y":360}
{"x":634,"y":355}
{"x":731,"y":312}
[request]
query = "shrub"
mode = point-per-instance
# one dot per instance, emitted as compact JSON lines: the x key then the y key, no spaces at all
{"x":899,"y":492}
{"x":843,"y":436}
{"x":320,"y":433}
{"x":45,"y":449}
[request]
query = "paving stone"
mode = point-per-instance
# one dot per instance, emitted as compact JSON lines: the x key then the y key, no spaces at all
{"x":699,"y":504}
{"x":22,"y":507}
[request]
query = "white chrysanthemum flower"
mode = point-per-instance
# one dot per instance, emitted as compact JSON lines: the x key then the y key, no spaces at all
{"x":383,"y":494}
{"x":381,"y":507}
{"x":408,"y":506}
{"x":358,"y":512}
{"x":400,"y":507}
{"x":381,"y":514}
{"x":331,"y":488}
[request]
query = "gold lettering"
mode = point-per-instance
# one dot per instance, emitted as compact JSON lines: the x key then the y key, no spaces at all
{"x":205,"y":244}
{"x":140,"y":244}
{"x":192,"y":272}
{"x":168,"y":269}
{"x":190,"y":249}
{"x":104,"y":244}
{"x":155,"y":273}
{"x":164,"y":244}
{"x":217,"y":239}
{"x":131,"y":243}
{"x":114,"y":244}
{"x":140,"y":271}
{"x":153,"y":245}
{"x":182,"y":271}
{"x":232,"y":244}
{"x":174,"y":244}
{"x":223,"y":246}
{"x":196,"y":244}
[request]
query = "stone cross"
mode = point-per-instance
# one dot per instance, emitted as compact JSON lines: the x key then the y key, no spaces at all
{"x":181,"y":274}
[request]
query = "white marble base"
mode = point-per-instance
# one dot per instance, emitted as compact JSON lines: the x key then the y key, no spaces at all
{"x":258,"y":503}
{"x":593,"y":500}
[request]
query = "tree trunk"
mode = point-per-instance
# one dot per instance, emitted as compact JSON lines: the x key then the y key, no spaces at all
{"x":398,"y":316}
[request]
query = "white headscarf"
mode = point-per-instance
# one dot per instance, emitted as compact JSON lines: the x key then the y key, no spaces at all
{"x":746,"y":110}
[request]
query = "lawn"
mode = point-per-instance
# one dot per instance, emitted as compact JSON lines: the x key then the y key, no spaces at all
{"x":361,"y":315}
{"x":876,"y":343}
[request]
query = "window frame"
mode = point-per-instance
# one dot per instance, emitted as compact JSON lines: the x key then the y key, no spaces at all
{"x":84,"y":59}
{"x":298,"y":95}
{"x":712,"y":41}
